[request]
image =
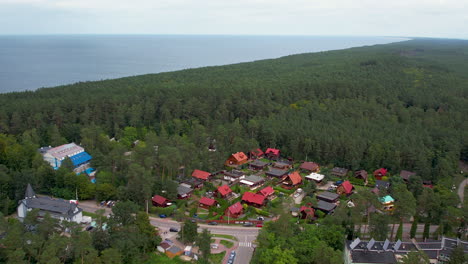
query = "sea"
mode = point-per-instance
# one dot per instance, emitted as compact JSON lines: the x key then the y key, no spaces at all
{"x":29,"y":62}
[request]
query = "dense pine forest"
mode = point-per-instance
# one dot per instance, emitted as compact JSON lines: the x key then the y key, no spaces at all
{"x":399,"y":106}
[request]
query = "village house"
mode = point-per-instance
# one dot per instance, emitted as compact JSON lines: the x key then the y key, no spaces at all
{"x":387,"y":202}
{"x":234,"y":210}
{"x":346,"y":188}
{"x":253,"y":181}
{"x":57,"y":208}
{"x":328,"y":197}
{"x":193,"y":183}
{"x":253,"y":199}
{"x":234,"y":175}
{"x":224,"y":191}
{"x":268,"y":192}
{"x":275,"y":173}
{"x":236,"y":159}
{"x":201,"y":175}
{"x":406,"y":175}
{"x":282,"y":165}
{"x":184,"y":191}
{"x":55,"y":156}
{"x":309,"y":167}
{"x":315,"y":177}
{"x":160,"y":201}
{"x":325,"y":207}
{"x":380,"y":173}
{"x":174,"y":251}
{"x":292,"y":180}
{"x":307,"y":212}
{"x":257,"y":165}
{"x":256,"y":154}
{"x":206,"y":202}
{"x":339,"y":172}
{"x":272,"y":154}
{"x":361,"y":174}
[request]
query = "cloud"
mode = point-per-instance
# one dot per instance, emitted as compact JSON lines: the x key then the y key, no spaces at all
{"x":310,"y":17}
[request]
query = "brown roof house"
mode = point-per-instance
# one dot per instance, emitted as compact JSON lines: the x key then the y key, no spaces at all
{"x":257,"y":165}
{"x":236,"y":159}
{"x":406,"y":175}
{"x":310,"y":167}
{"x":293,"y":179}
{"x":339,"y":172}
{"x":361,"y":174}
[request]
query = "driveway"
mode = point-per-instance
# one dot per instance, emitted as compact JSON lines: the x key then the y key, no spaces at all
{"x":461,"y":191}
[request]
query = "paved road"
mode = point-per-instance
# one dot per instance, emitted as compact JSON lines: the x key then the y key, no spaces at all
{"x":461,"y":191}
{"x":245,"y":235}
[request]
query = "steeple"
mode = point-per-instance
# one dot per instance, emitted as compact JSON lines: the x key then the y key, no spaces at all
{"x":29,"y":192}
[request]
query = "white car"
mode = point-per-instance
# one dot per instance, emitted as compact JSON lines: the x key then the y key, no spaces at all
{"x":214,"y":246}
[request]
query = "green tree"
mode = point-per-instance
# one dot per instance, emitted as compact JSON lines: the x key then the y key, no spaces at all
{"x":278,"y":255}
{"x":111,"y":256}
{"x":427,"y":225}
{"x":414,"y":257}
{"x":414,"y":227}
{"x":189,"y":233}
{"x":378,"y":227}
{"x":399,"y":234}
{"x":458,"y":256}
{"x":204,"y":241}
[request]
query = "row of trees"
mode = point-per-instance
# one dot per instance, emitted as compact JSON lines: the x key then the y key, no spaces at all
{"x":126,"y":237}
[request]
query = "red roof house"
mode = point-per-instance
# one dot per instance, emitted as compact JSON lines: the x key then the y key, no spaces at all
{"x":256,"y":154}
{"x":207,"y":202}
{"x":235,"y":210}
{"x":267,"y":191}
{"x":253,"y":199}
{"x":236,"y":159}
{"x":310,"y":166}
{"x":160,"y":201}
{"x":378,"y":174}
{"x":292,"y":179}
{"x":345,"y":188}
{"x":272,"y":153}
{"x":202,"y":175}
{"x":307,"y":212}
{"x":224,"y":190}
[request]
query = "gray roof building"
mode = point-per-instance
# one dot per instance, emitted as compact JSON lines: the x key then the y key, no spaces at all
{"x":57,"y":208}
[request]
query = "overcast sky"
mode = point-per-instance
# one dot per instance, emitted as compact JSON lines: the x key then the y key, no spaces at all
{"x":424,"y":18}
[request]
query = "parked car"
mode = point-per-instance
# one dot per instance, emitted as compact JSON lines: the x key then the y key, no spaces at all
{"x":233,"y":254}
{"x":259,"y":225}
{"x":214,"y":246}
{"x":338,"y":183}
{"x":89,"y":228}
{"x":213,"y":223}
{"x":162,"y":216}
{"x":173,"y":229}
{"x":248,"y":224}
{"x":261,"y":218}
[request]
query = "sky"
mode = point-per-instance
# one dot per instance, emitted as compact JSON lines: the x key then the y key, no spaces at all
{"x":410,"y":18}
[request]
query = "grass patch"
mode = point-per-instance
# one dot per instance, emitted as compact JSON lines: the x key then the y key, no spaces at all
{"x":158,"y":258}
{"x":92,"y":215}
{"x":217,"y":258}
{"x":227,"y":244}
{"x":225,"y":236}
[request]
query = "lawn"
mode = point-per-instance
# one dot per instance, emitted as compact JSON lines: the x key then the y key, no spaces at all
{"x":227,"y":244}
{"x":92,"y":215}
{"x":158,"y":258}
{"x":225,"y":236}
{"x":217,"y":258}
